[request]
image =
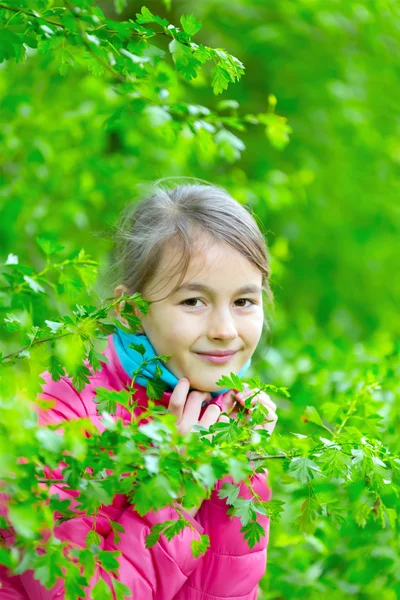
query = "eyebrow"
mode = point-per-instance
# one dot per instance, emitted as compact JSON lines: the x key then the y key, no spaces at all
{"x":199,"y":287}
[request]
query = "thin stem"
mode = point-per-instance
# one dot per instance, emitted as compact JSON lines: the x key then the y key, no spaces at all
{"x":35,"y":344}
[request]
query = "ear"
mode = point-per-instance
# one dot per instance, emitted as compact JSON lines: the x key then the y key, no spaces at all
{"x":119,"y":291}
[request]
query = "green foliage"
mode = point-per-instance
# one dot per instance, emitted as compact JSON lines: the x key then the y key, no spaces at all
{"x":97,"y":102}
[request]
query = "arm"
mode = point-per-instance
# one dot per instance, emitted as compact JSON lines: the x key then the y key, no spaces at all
{"x":156,"y":573}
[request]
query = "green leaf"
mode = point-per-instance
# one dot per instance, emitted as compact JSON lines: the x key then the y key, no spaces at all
{"x":92,"y":539}
{"x":232,"y":382}
{"x":311,"y":415}
{"x":55,"y":368}
{"x":117,"y":528}
{"x":174,"y":529}
{"x":308,"y":517}
{"x":253,"y":532}
{"x":122,"y":592}
{"x":334,"y":463}
{"x":12,"y":322}
{"x":200,"y":546}
{"x":229,"y":491}
{"x":220,"y":79}
{"x":11,"y":45}
{"x":48,"y":246}
{"x":107,"y":400}
{"x":81,"y":377}
{"x":152,"y":494}
{"x":101,"y":591}
{"x":154,"y":535}
{"x":302,"y":469}
{"x":205,"y":473}
{"x":244,"y":509}
{"x":24,"y":520}
{"x":139,"y":348}
{"x":147,"y":16}
{"x":155,"y":389}
{"x":108,"y":559}
{"x":184,"y":60}
{"x":95,"y":359}
{"x":190,"y":24}
{"x":238,"y":469}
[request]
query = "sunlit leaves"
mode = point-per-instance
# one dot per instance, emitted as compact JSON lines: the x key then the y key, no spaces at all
{"x":303,"y":469}
{"x":190,"y":24}
{"x":200,"y":546}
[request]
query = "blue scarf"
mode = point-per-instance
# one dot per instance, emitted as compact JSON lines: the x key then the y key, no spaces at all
{"x":131,"y":359}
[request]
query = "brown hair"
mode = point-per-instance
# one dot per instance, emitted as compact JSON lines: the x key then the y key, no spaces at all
{"x":178,"y":214}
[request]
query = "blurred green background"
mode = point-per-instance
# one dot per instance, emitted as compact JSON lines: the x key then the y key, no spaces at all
{"x":73,"y":154}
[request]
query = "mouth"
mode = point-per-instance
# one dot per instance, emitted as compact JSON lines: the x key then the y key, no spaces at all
{"x":218,"y":359}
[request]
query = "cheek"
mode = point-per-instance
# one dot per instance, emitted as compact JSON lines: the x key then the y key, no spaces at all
{"x":179,"y":329}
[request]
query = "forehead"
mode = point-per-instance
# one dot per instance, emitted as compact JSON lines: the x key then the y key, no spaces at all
{"x":214,"y":264}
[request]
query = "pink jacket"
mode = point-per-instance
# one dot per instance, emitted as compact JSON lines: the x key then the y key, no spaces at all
{"x":167,"y":571}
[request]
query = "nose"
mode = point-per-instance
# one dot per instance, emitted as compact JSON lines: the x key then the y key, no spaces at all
{"x":222,"y":325}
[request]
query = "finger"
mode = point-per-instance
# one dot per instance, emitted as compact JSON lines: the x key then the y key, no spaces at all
{"x":228,"y":401}
{"x":223,"y":419}
{"x":178,"y":398}
{"x":192,"y":409}
{"x":210,"y":416}
{"x":263,"y":398}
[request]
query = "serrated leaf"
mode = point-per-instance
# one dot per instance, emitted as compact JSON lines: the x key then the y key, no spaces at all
{"x":200,"y":546}
{"x":172,"y":530}
{"x":155,"y":389}
{"x":107,"y":400}
{"x":49,"y":247}
{"x":108,"y":559}
{"x":122,"y":592}
{"x":244,"y":509}
{"x":56,"y":369}
{"x":253,"y":532}
{"x":229,"y":491}
{"x":190,"y":24}
{"x":101,"y":591}
{"x":146,"y":16}
{"x":232,"y":382}
{"x":95,"y":359}
{"x":308,"y":517}
{"x":302,"y":469}
{"x":220,"y":79}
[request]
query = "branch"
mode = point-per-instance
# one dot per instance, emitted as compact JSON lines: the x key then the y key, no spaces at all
{"x":28,"y":346}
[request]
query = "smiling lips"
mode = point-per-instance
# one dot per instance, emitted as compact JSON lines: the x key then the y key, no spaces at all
{"x":218,"y":357}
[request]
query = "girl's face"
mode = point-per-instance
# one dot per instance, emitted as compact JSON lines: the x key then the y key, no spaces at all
{"x":221,"y":315}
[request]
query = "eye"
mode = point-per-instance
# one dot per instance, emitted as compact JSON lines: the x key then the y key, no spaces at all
{"x":246,"y":300}
{"x":195,"y":300}
{"x":190,"y":300}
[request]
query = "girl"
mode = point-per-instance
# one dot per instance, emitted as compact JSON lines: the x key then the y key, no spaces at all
{"x":207,"y":253}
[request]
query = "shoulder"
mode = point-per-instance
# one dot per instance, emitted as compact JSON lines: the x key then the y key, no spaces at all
{"x":64,"y":402}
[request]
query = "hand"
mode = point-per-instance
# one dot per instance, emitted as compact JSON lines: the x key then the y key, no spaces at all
{"x":233,"y":400}
{"x":187,"y":408}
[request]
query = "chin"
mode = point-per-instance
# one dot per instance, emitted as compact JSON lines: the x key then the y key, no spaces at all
{"x":202,"y":386}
